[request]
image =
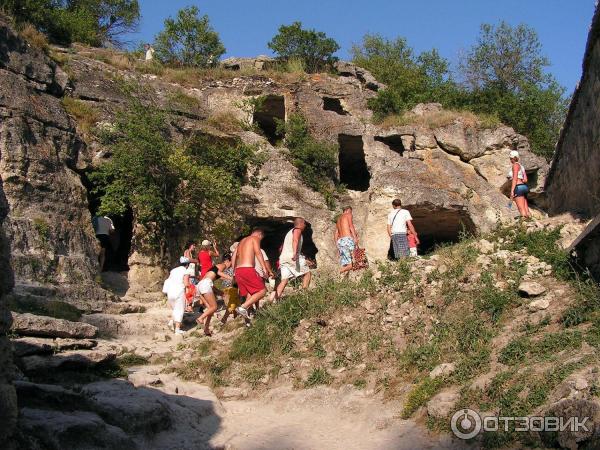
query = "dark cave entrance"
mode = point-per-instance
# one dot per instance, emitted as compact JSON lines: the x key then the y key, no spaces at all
{"x":275,"y":230}
{"x":117,"y":253}
{"x":437,"y":225}
{"x":353,"y":167}
{"x":335,"y":105}
{"x":266,"y":115}
{"x":394,"y":142}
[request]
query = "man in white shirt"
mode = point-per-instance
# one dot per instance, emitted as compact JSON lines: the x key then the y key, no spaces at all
{"x":398,"y":224}
{"x":103,"y":227}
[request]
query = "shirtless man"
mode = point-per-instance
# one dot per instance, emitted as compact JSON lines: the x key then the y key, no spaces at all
{"x":250,"y":284}
{"x":346,"y":239}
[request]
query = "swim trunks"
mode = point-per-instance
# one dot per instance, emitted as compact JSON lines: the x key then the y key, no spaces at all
{"x":248,"y":281}
{"x":346,"y":247}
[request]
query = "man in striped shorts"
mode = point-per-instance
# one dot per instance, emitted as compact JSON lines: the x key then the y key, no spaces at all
{"x":399,"y":221}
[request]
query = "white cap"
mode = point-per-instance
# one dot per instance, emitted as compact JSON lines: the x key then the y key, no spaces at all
{"x":205,"y":242}
{"x":514,"y":154}
{"x":184,"y":260}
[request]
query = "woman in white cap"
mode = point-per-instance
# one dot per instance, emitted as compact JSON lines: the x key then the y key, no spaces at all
{"x":206,"y":255}
{"x":518,"y":189}
{"x":174,"y":287}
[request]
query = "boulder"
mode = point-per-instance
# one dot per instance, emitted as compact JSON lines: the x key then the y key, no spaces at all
{"x":442,"y":404}
{"x":32,"y":325}
{"x":347,"y":69}
{"x":261,"y":62}
{"x":49,"y":396}
{"x":586,"y":436}
{"x":71,"y":360}
{"x":531,"y":289}
{"x":78,"y":429}
{"x":62,"y":345}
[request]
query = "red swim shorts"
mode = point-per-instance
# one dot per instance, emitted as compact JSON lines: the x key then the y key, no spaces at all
{"x":248,"y":280}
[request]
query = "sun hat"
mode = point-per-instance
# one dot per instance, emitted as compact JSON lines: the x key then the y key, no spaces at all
{"x":514,"y":154}
{"x":184,"y":260}
{"x":205,"y":242}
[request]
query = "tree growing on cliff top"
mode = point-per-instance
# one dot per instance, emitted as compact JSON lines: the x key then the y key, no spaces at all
{"x":92,"y":22}
{"x":313,"y":47}
{"x":189,"y":40}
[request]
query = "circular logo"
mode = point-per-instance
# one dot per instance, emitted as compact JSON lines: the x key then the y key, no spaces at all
{"x":465,"y":424}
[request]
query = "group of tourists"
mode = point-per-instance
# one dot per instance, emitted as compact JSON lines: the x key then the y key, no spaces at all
{"x":245,"y":273}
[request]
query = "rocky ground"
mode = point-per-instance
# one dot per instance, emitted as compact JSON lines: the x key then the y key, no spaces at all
{"x":120,"y":378}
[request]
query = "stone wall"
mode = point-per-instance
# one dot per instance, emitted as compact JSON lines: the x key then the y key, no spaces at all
{"x":573,"y":184}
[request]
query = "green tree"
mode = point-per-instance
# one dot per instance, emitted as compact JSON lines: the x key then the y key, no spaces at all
{"x":92,"y":22}
{"x":168,"y":187}
{"x":313,"y":47}
{"x":505,"y":71}
{"x":410,"y":78}
{"x":189,"y":40}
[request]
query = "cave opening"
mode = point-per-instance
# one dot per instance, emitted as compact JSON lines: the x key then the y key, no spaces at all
{"x":437,"y":226}
{"x":394,"y":143}
{"x":266,"y":115}
{"x":119,"y":246}
{"x":335,"y":105}
{"x":353,"y":167}
{"x":275,"y":229}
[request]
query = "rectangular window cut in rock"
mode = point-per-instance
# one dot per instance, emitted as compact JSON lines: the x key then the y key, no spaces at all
{"x":272,"y":107}
{"x":335,"y":105}
{"x":353,"y":167}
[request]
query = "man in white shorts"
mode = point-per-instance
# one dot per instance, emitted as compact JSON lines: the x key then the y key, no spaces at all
{"x":291,"y":263}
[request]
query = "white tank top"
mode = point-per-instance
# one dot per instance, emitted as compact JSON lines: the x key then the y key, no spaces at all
{"x":287,"y":252}
{"x":520,"y":174}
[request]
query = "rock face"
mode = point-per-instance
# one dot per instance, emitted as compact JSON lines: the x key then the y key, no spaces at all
{"x":573,"y":184}
{"x":32,"y":325}
{"x":48,"y":225}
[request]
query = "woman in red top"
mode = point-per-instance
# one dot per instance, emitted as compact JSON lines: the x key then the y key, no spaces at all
{"x":205,"y":256}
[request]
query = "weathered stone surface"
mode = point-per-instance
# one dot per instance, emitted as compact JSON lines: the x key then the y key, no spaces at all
{"x":531,"y":289}
{"x":347,"y":69}
{"x":261,"y":62}
{"x":62,"y":345}
{"x":49,"y":396}
{"x":539,"y":304}
{"x":49,"y":224}
{"x":133,"y":409}
{"x":442,"y":370}
{"x":580,"y":438}
{"x":32,"y":346}
{"x":32,"y":325}
{"x":70,"y":360}
{"x":442,"y":404}
{"x":78,"y":429}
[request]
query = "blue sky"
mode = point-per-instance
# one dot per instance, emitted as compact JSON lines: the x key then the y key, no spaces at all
{"x":451,"y":26}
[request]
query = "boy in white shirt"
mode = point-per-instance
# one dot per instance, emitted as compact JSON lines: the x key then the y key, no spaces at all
{"x":398,"y":224}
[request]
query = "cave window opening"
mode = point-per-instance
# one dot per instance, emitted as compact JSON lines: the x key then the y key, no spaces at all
{"x":437,"y":226}
{"x":353,"y":167}
{"x":117,"y":253}
{"x":335,"y":105}
{"x":271,"y":109}
{"x":275,"y":230}
{"x":394,"y":143}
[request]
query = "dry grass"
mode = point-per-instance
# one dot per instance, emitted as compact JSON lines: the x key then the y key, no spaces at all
{"x":85,"y":115}
{"x":225,"y":121}
{"x":34,"y":37}
{"x":441,"y":119}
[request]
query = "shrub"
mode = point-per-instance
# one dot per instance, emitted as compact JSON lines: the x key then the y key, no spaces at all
{"x":318,"y":376}
{"x":312,"y":47}
{"x":189,"y":40}
{"x":316,"y":161}
{"x":34,"y":37}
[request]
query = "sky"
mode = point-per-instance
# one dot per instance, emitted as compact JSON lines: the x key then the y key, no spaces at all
{"x":451,"y":26}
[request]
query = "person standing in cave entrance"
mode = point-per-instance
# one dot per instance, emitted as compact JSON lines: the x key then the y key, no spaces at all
{"x":206,"y":255}
{"x":104,"y":228}
{"x":519,"y":188}
{"x":250,"y":284}
{"x":398,"y":223}
{"x":291,"y":262}
{"x":346,"y":239}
